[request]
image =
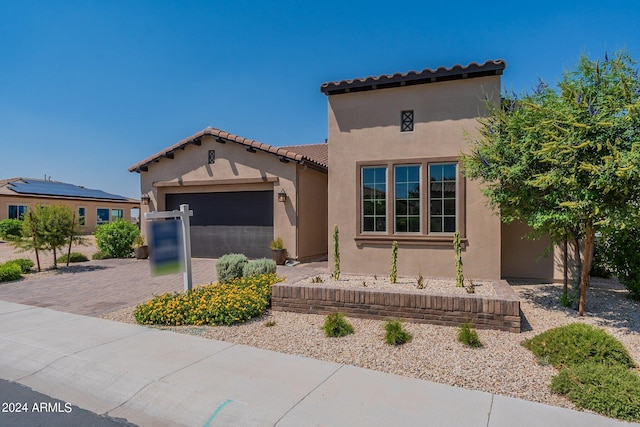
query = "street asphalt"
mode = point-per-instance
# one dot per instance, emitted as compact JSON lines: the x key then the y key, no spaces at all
{"x":149,"y":377}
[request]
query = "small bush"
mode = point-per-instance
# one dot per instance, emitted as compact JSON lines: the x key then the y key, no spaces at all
{"x":115,"y":239}
{"x":100,"y":255}
{"x":335,"y":325}
{"x":10,"y":271}
{"x":10,"y":229}
{"x":394,"y":334}
{"x":270,"y":323}
{"x":75,"y":257}
{"x":578,"y":343}
{"x":219,"y":304}
{"x":25,"y":264}
{"x":613,"y":391}
{"x":230,"y":266}
{"x":468,"y":336}
{"x":259,"y":266}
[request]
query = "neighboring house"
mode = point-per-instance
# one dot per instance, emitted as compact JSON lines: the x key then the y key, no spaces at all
{"x":92,"y":207}
{"x":243,"y":193}
{"x":394,"y":142}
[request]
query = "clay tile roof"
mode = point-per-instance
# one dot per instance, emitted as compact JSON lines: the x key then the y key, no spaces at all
{"x":317,"y":153}
{"x":311,"y":156}
{"x":488,"y":68}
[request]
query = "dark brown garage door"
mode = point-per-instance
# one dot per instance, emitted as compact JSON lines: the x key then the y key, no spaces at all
{"x":228,"y":222}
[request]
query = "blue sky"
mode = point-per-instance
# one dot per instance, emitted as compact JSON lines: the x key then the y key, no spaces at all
{"x":89,"y":88}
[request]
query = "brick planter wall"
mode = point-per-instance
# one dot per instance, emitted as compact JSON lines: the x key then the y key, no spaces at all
{"x":501,"y":311}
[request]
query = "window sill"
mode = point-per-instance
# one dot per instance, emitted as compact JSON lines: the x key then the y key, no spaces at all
{"x":386,"y":240}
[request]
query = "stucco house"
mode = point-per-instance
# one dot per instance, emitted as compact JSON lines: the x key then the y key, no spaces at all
{"x":394,"y":142}
{"x":243,"y":193}
{"x":92,"y":207}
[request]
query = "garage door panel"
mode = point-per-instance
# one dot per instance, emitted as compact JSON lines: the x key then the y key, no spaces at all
{"x":228,"y":222}
{"x":227,"y":208}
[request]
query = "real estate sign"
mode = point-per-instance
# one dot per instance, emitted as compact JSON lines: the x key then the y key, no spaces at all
{"x":166,"y":254}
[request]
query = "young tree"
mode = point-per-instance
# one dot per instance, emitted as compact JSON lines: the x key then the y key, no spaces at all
{"x":566,"y":161}
{"x":47,"y":228}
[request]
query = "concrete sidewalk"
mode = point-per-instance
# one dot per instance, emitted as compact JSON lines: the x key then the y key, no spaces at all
{"x":160,"y":378}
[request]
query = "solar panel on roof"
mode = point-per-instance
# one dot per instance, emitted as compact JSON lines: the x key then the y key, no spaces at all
{"x":52,"y":188}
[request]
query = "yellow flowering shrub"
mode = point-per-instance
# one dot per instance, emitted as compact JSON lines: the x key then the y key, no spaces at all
{"x":217,"y":304}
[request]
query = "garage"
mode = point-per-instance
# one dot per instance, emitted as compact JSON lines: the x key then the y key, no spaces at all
{"x":228,"y":222}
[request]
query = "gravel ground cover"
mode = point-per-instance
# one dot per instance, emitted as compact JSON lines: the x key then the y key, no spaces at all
{"x":501,"y":366}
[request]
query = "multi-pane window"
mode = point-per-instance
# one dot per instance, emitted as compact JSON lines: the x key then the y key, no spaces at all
{"x":17,"y":211}
{"x":374,"y":198}
{"x":406,"y":119}
{"x":424,"y":198}
{"x":442,"y":198}
{"x":82,"y":214}
{"x":407,"y":198}
{"x":103,"y":215}
{"x":117,"y":214}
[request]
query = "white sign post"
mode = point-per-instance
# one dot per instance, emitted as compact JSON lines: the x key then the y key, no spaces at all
{"x":183,"y":215}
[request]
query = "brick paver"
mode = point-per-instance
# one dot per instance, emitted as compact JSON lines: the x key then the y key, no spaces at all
{"x":97,"y":287}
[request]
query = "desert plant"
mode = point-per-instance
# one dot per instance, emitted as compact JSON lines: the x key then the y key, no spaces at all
{"x":578,"y":343}
{"x":335,"y":325}
{"x":230,"y":266}
{"x":420,"y":281}
{"x":10,"y":229}
{"x":138,"y":241}
{"x":317,"y":279}
{"x":277,"y":244}
{"x":458,"y":249}
{"x":219,"y":304}
{"x":393,"y":276}
{"x":270,"y":323}
{"x":73,"y":257}
{"x":336,"y":253}
{"x":259,"y":266}
{"x":395,"y":334}
{"x":471,"y":287}
{"x":613,"y":391}
{"x":100,"y":255}
{"x":468,"y":336}
{"x":25,"y":264}
{"x":115,"y":239}
{"x":10,"y":271}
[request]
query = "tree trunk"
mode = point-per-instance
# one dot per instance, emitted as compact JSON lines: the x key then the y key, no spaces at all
{"x":565,"y":280}
{"x":73,"y":221}
{"x":588,"y":246}
{"x":55,"y":261}
{"x":578,"y":257}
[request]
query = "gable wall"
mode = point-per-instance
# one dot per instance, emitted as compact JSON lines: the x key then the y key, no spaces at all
{"x":365,"y":127}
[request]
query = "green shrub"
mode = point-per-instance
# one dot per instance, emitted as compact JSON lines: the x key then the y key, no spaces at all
{"x":220,"y":304}
{"x":335,"y":325}
{"x":10,"y":271}
{"x":25,"y":264}
{"x":115,"y":239}
{"x":100,"y":255}
{"x":613,"y":391}
{"x":230,"y":267}
{"x":578,"y":343}
{"x":259,"y":266}
{"x":468,"y":336}
{"x":10,"y":229}
{"x":394,"y":334}
{"x":74,"y":257}
{"x":623,"y":258}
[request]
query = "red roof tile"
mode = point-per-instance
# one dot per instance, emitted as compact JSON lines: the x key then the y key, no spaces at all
{"x":414,"y":77}
{"x":312,"y":153}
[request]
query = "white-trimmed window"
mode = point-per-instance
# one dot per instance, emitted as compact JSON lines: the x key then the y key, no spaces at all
{"x":82,"y":216}
{"x":102,"y":215}
{"x":17,"y":211}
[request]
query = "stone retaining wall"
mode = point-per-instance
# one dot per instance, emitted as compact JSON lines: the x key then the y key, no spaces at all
{"x":501,"y":311}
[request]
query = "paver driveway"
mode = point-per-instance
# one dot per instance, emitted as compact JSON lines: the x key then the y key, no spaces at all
{"x":97,"y":287}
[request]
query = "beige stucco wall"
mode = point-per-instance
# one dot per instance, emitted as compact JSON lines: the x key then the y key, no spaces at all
{"x":365,"y":126}
{"x":235,"y":169}
{"x":90,"y":206}
{"x":312,"y":206}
